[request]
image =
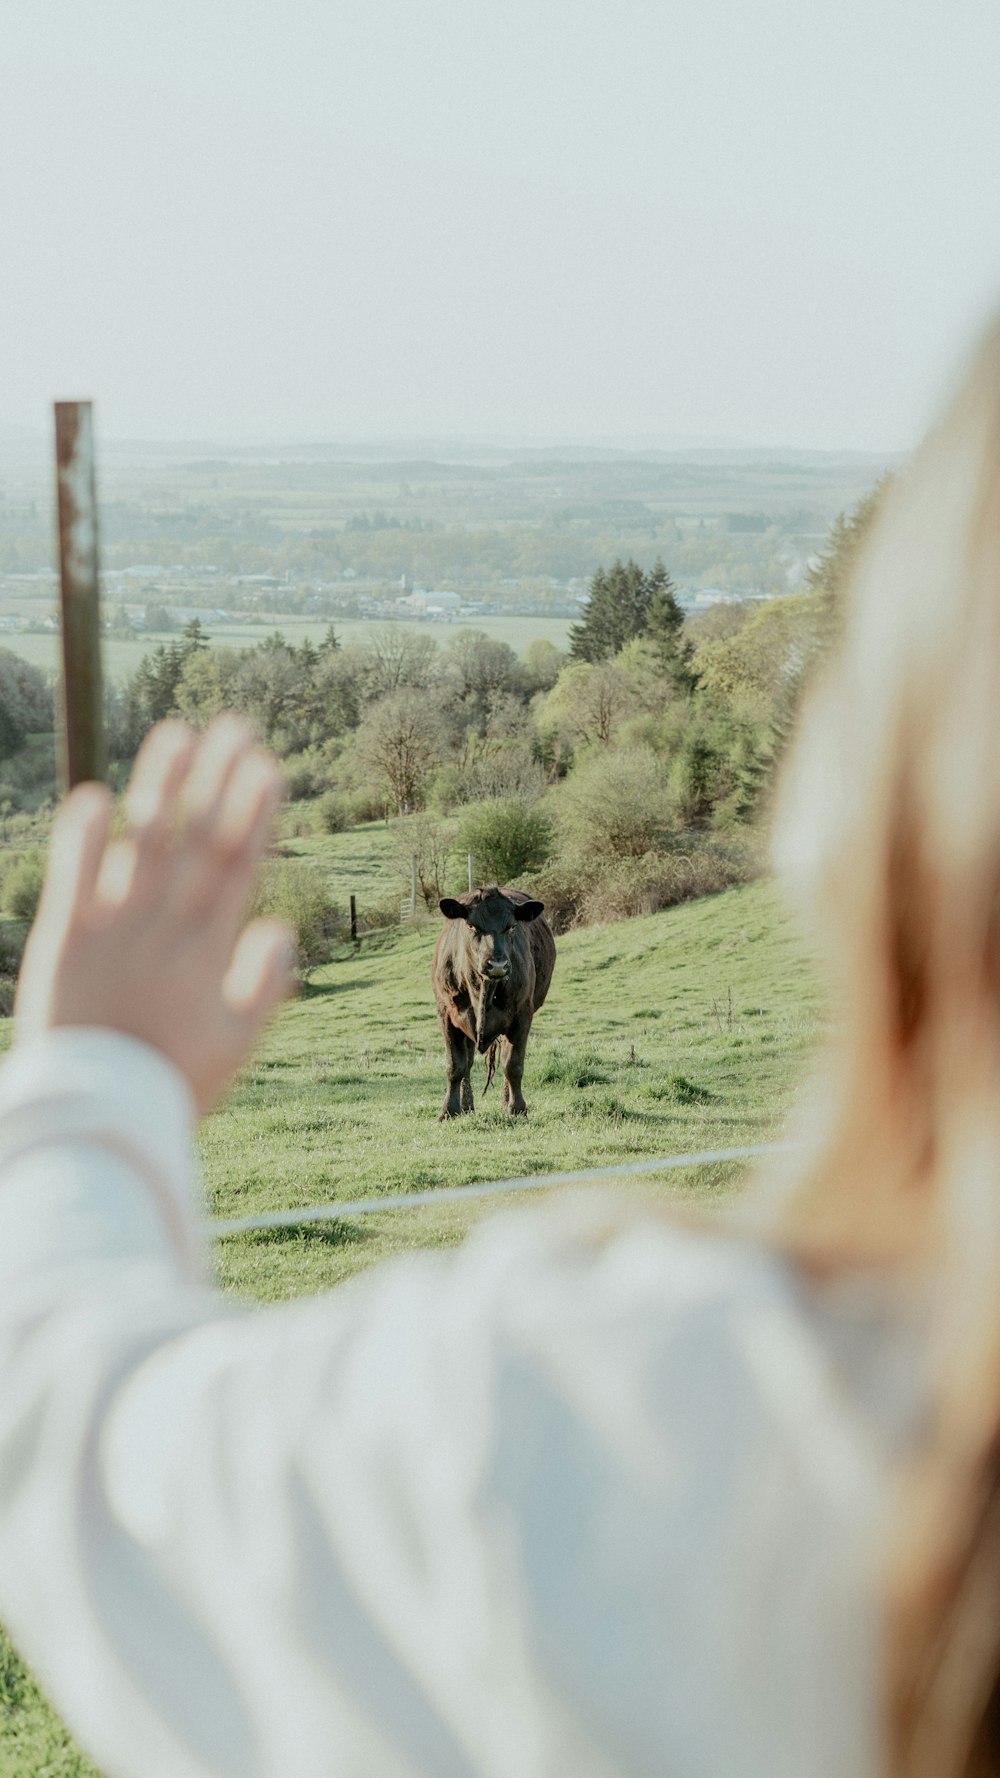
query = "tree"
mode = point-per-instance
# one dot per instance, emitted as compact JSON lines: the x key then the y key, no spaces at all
{"x":394,"y":657}
{"x":336,"y":692}
{"x":203,"y":689}
{"x":400,"y":742}
{"x":479,"y":670}
{"x":153,"y":687}
{"x":269,"y":685}
{"x":829,"y":577}
{"x":543,"y":663}
{"x":665,"y":631}
{"x":618,"y":609}
{"x":25,"y":702}
{"x":587,"y":702}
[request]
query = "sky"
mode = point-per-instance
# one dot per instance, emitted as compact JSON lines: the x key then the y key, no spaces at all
{"x":636,"y":222}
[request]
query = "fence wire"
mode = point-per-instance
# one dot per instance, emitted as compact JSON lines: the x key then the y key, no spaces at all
{"x":374,"y":1206}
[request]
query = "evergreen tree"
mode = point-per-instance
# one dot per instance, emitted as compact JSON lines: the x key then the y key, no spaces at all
{"x":194,"y":637}
{"x":829,"y":577}
{"x":617,"y":610}
{"x":665,"y":630}
{"x":626,"y":602}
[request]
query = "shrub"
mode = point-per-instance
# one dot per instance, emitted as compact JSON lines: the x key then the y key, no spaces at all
{"x":300,"y":777}
{"x":366,"y":803}
{"x":8,"y":989}
{"x":581,"y":889}
{"x":506,"y":839}
{"x":616,"y":803}
{"x":22,"y":884}
{"x":308,"y":771}
{"x":298,"y":821}
{"x":295,"y":891}
{"x":334,"y":813}
{"x":447,"y":789}
{"x":376,"y":916}
{"x":660,"y":880}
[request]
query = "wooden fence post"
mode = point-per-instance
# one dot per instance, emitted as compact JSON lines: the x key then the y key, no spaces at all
{"x":413,"y":886}
{"x":354,"y":919}
{"x":82,"y":701}
{"x":472,"y":880}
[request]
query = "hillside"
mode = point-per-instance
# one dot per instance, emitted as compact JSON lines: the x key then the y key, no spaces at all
{"x":687,"y":1029}
{"x":662,"y":1035}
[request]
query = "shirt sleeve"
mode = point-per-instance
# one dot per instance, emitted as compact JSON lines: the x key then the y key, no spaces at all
{"x":514,"y":1512}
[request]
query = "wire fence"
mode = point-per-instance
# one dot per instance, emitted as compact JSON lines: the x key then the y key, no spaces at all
{"x":373,"y":1206}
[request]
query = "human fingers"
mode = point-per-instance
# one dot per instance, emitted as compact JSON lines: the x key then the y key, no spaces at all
{"x":160,"y":767}
{"x":225,"y":743}
{"x":248,"y":805}
{"x":262,"y":971}
{"x":243,"y":831}
{"x":133,"y":866}
{"x":260,"y":976}
{"x":76,"y":850}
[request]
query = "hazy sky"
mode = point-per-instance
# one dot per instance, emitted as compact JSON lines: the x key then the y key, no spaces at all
{"x":777,"y":221}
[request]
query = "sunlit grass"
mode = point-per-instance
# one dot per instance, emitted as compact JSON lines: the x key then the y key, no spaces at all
{"x":665,"y":1035}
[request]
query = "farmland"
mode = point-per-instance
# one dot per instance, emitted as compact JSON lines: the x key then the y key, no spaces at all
{"x":666,"y":1034}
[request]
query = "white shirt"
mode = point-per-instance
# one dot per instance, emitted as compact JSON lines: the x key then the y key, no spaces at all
{"x":591,"y":1496}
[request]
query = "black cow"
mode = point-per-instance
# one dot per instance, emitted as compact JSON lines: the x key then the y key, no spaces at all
{"x":492,"y":967}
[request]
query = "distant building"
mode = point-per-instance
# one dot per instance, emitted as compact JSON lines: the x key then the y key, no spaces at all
{"x":427,"y":604}
{"x":714,"y":595}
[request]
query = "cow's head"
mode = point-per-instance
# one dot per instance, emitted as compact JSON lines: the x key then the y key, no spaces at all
{"x":491,"y":918}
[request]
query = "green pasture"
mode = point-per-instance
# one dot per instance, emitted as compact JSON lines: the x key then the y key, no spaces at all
{"x":681,"y":1031}
{"x":664,"y":1035}
{"x":363,"y":862}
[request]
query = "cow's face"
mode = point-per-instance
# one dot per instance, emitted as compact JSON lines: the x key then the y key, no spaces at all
{"x":491,"y":923}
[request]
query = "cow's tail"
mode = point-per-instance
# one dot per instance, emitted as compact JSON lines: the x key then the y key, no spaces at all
{"x":491,"y":1063}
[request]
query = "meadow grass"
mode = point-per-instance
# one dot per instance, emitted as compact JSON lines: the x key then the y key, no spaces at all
{"x":681,"y":1031}
{"x":362,"y":861}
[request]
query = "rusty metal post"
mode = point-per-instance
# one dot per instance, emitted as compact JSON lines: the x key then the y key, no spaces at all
{"x":83,"y":736}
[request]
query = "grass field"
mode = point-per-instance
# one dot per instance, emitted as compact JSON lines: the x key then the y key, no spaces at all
{"x":361,"y":862}
{"x":663,"y":1035}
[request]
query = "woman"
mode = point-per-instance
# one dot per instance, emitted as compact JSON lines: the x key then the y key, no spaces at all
{"x":600,"y":1494}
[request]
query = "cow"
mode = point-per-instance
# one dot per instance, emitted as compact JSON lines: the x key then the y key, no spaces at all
{"x":492,"y":967}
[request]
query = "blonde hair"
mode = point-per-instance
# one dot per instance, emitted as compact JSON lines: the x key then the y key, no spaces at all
{"x":889,"y":831}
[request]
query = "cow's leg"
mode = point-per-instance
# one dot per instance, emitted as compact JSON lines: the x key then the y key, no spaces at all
{"x":512,"y":1061}
{"x":466,"y":1086}
{"x":460,"y":1050}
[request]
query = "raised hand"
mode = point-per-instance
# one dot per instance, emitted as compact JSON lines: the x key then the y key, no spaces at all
{"x":146,"y":934}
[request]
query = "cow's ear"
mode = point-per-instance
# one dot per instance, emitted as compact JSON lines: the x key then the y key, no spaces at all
{"x":529,"y":910}
{"x":453,"y":910}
